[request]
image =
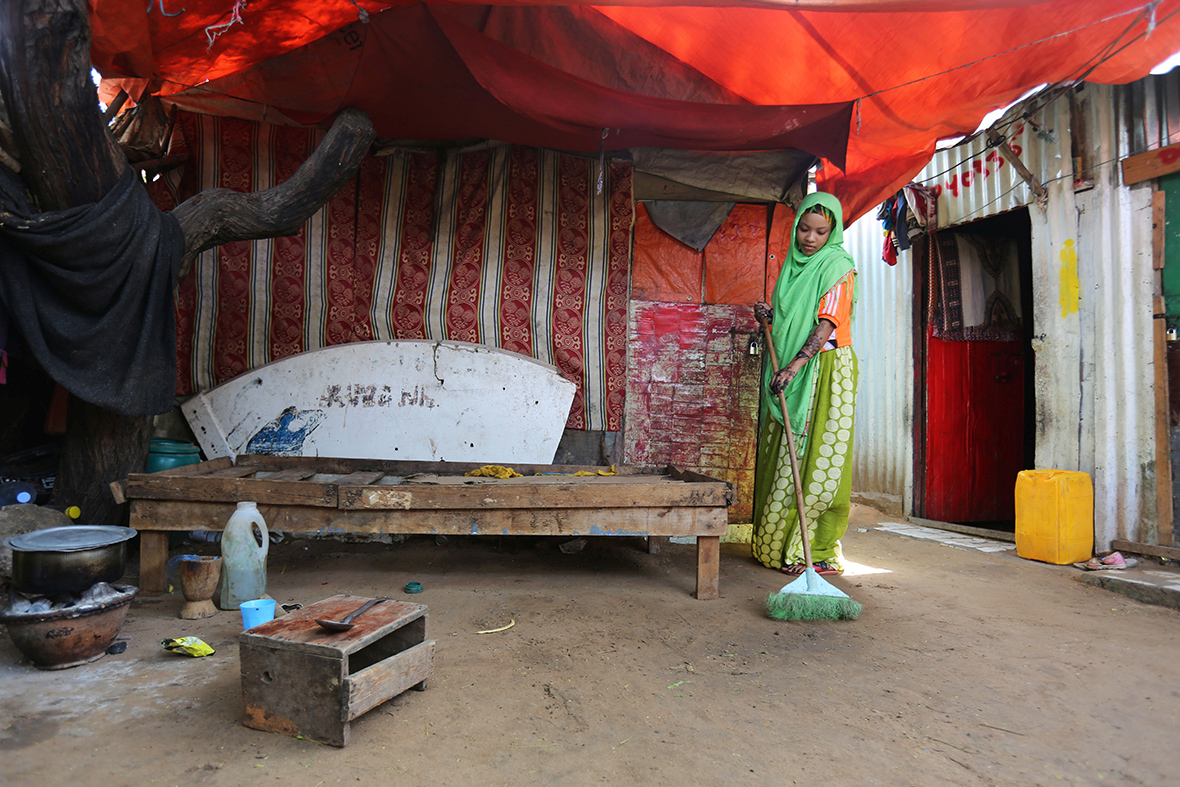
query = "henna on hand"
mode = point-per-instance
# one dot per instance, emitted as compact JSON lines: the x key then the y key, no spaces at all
{"x":783,"y":377}
{"x":816,"y":340}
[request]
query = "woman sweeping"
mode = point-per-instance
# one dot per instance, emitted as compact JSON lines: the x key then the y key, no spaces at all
{"x":811,"y":322}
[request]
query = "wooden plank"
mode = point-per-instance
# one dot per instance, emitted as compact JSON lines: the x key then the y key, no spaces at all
{"x":1163,"y":431}
{"x":697,"y":478}
{"x":688,"y":475}
{"x":1001,"y":144}
{"x":153,"y":518}
{"x":294,"y":694}
{"x":292,"y":474}
{"x":386,"y":679}
{"x":1152,"y":164}
{"x":153,"y":557}
{"x":1158,"y":229}
{"x":1136,"y":548}
{"x":360,"y":478}
{"x":340,"y":466}
{"x":154,"y":486}
{"x":396,"y":467}
{"x":955,"y":527}
{"x":297,"y":632}
{"x":549,"y":495}
{"x":708,"y":567}
{"x":172,"y":515}
{"x":546,"y":479}
{"x":241,"y":471}
{"x":200,"y":468}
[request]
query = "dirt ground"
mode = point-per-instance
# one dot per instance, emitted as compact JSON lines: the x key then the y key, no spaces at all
{"x":966,"y":668}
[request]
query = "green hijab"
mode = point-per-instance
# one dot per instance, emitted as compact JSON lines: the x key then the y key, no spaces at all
{"x":802,"y":284}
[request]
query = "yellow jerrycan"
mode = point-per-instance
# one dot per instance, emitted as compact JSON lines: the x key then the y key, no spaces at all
{"x":1054,"y":516}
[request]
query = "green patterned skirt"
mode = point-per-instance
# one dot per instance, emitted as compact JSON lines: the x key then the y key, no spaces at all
{"x":825,"y":462}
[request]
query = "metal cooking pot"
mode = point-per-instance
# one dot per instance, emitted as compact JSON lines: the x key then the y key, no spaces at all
{"x":68,"y":559}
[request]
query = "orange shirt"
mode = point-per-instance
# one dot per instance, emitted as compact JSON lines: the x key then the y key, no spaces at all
{"x":836,"y":306}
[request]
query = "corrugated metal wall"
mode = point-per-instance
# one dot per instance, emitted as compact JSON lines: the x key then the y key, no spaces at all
{"x":1151,"y":111}
{"x":1092,"y":290}
{"x":1118,"y":373}
{"x":881,"y":461}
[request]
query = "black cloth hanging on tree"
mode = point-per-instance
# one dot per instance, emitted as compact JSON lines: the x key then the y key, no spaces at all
{"x":90,"y":290}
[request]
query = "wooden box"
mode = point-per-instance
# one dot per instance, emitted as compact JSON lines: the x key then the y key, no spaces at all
{"x":302,"y":680}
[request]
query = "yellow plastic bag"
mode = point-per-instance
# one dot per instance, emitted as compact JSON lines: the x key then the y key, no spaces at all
{"x":188,"y":645}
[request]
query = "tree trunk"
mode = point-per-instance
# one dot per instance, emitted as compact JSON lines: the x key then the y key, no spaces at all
{"x":68,"y":158}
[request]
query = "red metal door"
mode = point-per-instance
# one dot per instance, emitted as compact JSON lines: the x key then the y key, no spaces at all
{"x":974,"y":429}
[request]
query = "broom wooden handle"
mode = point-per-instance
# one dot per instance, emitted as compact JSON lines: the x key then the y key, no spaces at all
{"x":782,"y":400}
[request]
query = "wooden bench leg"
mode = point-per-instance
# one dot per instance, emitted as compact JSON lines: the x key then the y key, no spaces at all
{"x":153,"y":559}
{"x":708,"y":567}
{"x":655,"y":544}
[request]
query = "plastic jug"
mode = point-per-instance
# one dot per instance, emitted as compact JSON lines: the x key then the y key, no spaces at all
{"x":243,"y":557}
{"x":1054,"y":516}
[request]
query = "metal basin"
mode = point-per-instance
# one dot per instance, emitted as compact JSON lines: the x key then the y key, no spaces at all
{"x":72,"y":636}
{"x":68,"y":559}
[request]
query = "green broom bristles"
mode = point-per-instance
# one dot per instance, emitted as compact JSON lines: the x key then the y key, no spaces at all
{"x":811,"y":598}
{"x":799,"y":606}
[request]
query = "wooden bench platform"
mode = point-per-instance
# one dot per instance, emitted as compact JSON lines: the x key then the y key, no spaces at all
{"x":316,"y":494}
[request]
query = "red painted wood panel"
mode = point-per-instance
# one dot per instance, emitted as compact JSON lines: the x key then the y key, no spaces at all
{"x":692,"y":393}
{"x":974,"y":429}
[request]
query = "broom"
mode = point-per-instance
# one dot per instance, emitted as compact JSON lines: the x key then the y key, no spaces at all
{"x":810,"y":597}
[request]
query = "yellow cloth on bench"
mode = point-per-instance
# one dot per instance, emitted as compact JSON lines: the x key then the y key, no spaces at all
{"x":494,"y":471}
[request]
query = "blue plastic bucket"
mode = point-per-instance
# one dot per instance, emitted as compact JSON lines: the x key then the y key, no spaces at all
{"x":166,"y":454}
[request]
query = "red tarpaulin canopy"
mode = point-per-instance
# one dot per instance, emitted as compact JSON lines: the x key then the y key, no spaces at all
{"x":868,"y":85}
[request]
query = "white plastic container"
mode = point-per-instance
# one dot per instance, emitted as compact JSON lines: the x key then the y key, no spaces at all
{"x":244,"y":546}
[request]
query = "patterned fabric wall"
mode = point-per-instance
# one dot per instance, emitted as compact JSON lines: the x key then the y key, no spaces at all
{"x":507,"y":246}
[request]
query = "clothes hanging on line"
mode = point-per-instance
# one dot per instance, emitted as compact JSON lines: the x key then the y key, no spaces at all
{"x":910,"y":212}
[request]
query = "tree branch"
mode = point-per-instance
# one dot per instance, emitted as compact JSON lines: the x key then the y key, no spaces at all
{"x":217,"y":216}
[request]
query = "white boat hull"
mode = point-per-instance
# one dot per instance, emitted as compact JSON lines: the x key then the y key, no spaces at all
{"x":415,"y":400}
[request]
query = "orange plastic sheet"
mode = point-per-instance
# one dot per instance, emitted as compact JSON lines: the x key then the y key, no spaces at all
{"x":868,"y":85}
{"x":735,"y":259}
{"x":731,"y":270}
{"x":778,"y":245}
{"x":663,"y":268}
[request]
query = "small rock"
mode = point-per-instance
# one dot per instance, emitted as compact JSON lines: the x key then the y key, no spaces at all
{"x":573,"y":547}
{"x":99,"y":593}
{"x":23,"y":518}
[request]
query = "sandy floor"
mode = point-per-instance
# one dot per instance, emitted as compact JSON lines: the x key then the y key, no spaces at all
{"x":966,"y":669}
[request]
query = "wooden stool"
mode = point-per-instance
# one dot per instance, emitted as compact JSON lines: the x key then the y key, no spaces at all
{"x":300,"y":679}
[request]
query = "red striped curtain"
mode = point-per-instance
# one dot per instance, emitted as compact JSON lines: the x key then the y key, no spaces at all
{"x":507,"y":246}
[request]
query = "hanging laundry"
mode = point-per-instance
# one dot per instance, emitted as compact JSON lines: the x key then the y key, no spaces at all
{"x":906,"y":215}
{"x":887,"y":215}
{"x":923,"y":206}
